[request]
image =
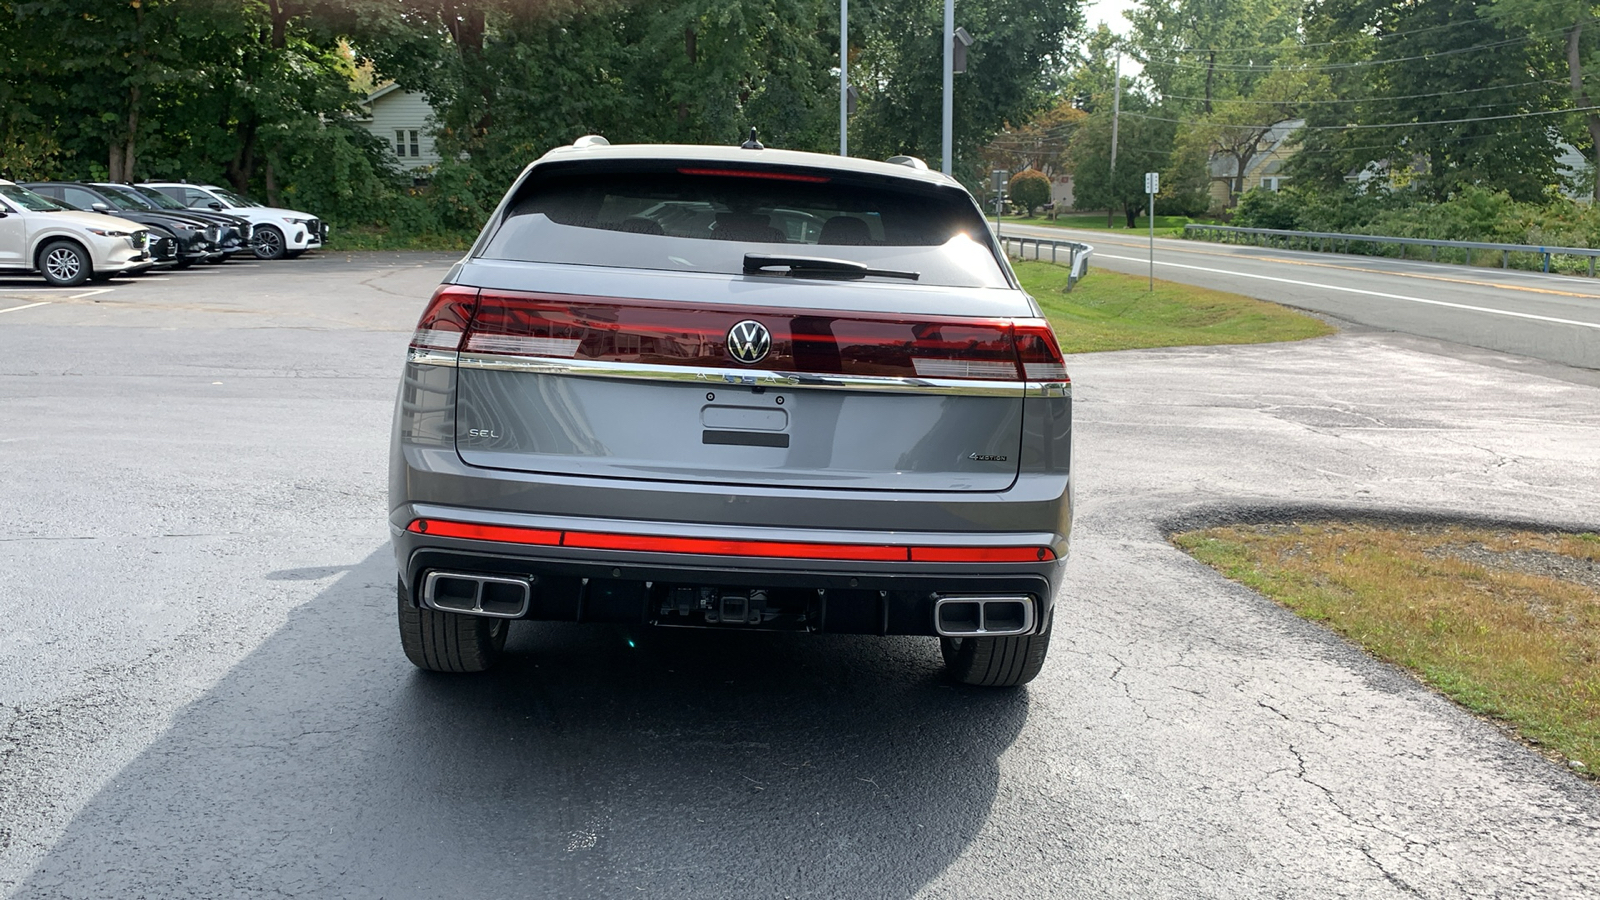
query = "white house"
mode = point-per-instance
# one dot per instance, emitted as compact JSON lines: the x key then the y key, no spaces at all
{"x":402,"y":119}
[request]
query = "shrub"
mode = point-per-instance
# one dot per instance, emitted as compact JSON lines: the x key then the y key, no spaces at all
{"x":1030,"y":189}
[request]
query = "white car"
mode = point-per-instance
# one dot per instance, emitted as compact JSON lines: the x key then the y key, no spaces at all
{"x":67,"y":247}
{"x":277,"y":233}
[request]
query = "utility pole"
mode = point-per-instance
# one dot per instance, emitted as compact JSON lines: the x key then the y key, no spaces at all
{"x":844,"y":77}
{"x":1116,"y":118}
{"x":949,"y":83}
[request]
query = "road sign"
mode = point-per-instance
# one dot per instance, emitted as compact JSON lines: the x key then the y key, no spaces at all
{"x":1152,"y":186}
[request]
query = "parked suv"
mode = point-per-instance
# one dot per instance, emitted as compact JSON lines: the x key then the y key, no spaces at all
{"x":185,"y":239}
{"x":236,"y":231}
{"x":277,"y":233}
{"x":65,"y":246}
{"x":653,"y":394}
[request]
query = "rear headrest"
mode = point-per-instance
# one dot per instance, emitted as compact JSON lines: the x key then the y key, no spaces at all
{"x":845,"y":230}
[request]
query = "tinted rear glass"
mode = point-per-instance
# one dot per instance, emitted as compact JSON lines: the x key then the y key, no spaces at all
{"x":696,"y":220}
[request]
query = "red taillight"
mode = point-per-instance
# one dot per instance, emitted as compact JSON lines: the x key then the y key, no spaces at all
{"x":1038,"y":351}
{"x":446,"y":318}
{"x":647,"y":543}
{"x":754,"y":173}
{"x":644,"y":332}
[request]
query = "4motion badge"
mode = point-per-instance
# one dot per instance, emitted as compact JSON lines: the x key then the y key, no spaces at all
{"x":749,"y":341}
{"x":985,"y":457}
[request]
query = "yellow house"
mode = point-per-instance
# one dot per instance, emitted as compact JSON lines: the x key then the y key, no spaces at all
{"x":1263,"y":168}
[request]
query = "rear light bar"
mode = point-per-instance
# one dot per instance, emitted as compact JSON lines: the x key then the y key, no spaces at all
{"x":639,"y":543}
{"x":607,"y":329}
{"x":752,"y":173}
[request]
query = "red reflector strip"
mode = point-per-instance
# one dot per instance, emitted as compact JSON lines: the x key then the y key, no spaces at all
{"x":748,"y":173}
{"x":982,"y":554}
{"x":714,"y":547}
{"x":644,"y":543}
{"x":503,"y":534}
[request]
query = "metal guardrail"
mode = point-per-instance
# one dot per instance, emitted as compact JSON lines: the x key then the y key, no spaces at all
{"x":1077,"y":253}
{"x":1321,"y":240}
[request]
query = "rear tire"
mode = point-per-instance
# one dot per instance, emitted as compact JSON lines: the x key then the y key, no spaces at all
{"x":448,"y":642}
{"x":995,"y":661}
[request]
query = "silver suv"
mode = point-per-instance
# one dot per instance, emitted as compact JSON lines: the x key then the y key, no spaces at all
{"x":733,"y":388}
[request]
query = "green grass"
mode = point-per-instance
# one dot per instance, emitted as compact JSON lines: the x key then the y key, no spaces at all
{"x":1111,"y":311}
{"x":1166,"y":226}
{"x":1504,"y":641}
{"x":369,"y":238}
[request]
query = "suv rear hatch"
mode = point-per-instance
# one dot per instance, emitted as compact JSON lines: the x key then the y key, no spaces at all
{"x":672,"y":322}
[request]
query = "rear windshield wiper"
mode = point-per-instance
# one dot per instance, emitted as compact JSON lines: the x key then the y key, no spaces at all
{"x":817,"y":267}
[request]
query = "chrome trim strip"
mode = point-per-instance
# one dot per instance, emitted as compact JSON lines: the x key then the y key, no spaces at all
{"x":427,"y":356}
{"x":712,"y":376}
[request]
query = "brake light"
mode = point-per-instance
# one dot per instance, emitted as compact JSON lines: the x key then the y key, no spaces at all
{"x":445,"y":319}
{"x":605,"y":329}
{"x":751,"y":173}
{"x":1038,"y":351}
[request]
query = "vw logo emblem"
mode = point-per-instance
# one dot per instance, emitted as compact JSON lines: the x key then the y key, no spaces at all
{"x":749,"y":341}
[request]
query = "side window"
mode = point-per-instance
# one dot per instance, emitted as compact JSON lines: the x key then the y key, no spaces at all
{"x":195,"y":199}
{"x":80,"y":198}
{"x":415,"y":147}
{"x":399,"y":142}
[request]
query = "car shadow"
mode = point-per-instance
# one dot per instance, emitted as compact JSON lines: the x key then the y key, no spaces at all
{"x":594,"y":762}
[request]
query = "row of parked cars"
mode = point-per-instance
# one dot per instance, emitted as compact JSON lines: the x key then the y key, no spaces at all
{"x":71,"y":232}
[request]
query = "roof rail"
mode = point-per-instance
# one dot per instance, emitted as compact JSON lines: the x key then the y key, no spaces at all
{"x":591,"y":140}
{"x":910,"y":161}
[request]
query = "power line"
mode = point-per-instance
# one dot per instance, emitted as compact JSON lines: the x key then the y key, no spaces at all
{"x":1353,"y":125}
{"x":1493,"y":87}
{"x":1357,"y":64}
{"x":1379,"y":37}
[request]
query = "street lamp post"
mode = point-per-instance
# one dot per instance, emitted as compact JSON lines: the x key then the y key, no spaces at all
{"x":844,"y":77}
{"x":947,"y":143}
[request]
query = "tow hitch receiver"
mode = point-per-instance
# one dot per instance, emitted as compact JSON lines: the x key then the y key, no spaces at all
{"x":715,"y":606}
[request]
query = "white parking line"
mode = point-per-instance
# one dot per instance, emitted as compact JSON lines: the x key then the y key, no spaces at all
{"x":1351,"y":290}
{"x":25,"y":306}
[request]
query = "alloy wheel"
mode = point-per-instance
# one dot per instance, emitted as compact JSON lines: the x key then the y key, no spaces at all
{"x":268,"y":244}
{"x":62,"y":264}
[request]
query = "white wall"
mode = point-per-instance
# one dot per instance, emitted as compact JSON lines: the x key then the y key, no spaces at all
{"x":408,"y":112}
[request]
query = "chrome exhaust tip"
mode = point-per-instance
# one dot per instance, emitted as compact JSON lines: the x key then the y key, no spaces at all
{"x":476,"y":595}
{"x":983,"y":616}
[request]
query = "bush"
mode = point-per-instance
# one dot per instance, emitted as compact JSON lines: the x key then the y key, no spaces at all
{"x":1030,"y":189}
{"x":1261,"y":208}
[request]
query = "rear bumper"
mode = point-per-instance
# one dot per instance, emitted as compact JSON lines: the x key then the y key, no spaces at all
{"x":628,"y":587}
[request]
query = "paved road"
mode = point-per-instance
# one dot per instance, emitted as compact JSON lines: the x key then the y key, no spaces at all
{"x":202,"y":693}
{"x":1549,"y":317}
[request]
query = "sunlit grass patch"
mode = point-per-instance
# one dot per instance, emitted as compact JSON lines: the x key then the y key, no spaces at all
{"x":1111,"y":311}
{"x":1507,"y":623}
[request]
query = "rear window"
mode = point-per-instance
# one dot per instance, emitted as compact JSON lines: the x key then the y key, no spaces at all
{"x":706,"y":218}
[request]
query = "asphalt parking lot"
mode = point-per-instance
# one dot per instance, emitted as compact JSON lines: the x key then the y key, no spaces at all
{"x":202,"y":692}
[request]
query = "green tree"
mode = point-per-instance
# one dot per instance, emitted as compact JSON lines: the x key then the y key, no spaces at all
{"x":1019,"y":45}
{"x":1030,"y":189}
{"x":1198,"y":52}
{"x":1441,"y":99}
{"x":1579,"y":54}
{"x":1144,"y":145}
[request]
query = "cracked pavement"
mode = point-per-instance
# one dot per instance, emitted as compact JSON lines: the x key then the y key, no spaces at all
{"x":202,"y":694}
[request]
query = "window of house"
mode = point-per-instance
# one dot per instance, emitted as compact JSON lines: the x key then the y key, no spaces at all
{"x":399,"y":142}
{"x":415,"y":146}
{"x":1272,"y":183}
